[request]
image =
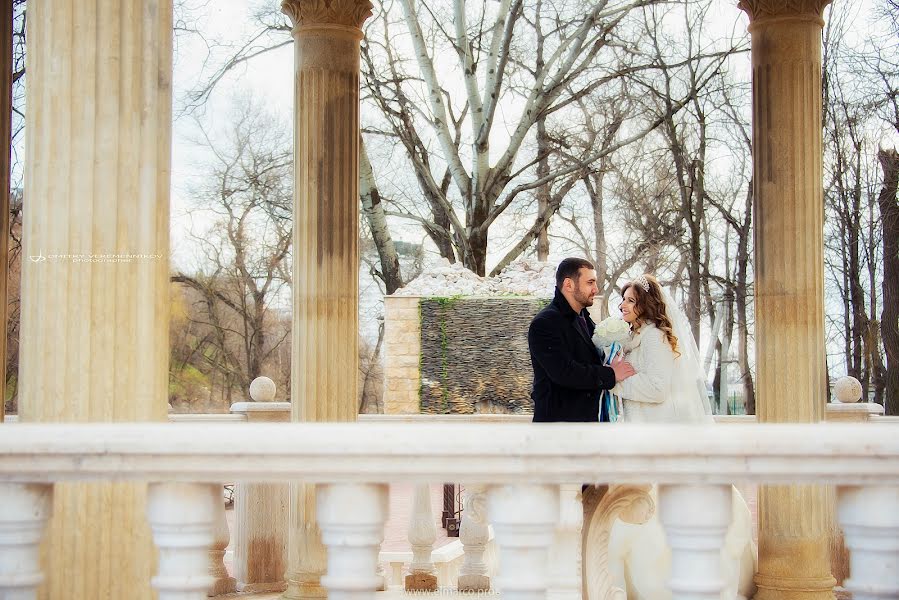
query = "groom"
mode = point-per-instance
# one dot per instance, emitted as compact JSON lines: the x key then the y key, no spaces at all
{"x":568,"y":370}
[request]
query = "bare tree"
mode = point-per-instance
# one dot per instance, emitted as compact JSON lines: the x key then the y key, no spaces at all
{"x":697,"y":76}
{"x":494,"y":46}
{"x":889,"y":319}
{"x":737,"y":214}
{"x":375,"y":216}
{"x":859,"y":85}
{"x":243,"y":270}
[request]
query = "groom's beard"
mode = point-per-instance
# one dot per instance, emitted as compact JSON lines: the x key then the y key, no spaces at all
{"x":585,"y":300}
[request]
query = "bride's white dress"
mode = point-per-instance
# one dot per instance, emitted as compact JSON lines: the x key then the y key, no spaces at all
{"x":639,"y":557}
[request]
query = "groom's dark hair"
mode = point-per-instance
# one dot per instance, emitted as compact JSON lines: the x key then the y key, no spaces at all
{"x":570,"y":269}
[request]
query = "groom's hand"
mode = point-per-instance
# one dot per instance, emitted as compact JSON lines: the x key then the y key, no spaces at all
{"x":622,"y":368}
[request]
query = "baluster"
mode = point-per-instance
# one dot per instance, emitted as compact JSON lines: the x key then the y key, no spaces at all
{"x":381,"y":573}
{"x":182,"y":518}
{"x":524,"y":519}
{"x":474,"y":533}
{"x":422,"y":535}
{"x":224,"y":583}
{"x":695,"y":518}
{"x":871,"y":530}
{"x":23,"y":518}
{"x":351,"y":518}
{"x":565,"y":556}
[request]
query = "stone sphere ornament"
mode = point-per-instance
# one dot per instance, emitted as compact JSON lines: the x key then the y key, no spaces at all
{"x":262,"y":389}
{"x":847,"y":390}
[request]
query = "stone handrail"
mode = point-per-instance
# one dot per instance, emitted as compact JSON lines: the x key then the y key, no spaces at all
{"x":547,"y":453}
{"x":523,"y":466}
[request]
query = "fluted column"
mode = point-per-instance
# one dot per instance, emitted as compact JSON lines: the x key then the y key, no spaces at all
{"x":325,"y":245}
{"x":789,"y":281}
{"x":95,"y":301}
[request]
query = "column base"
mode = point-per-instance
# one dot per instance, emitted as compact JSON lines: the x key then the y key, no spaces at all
{"x":793,"y":565}
{"x":421,"y":582}
{"x":473,"y":583}
{"x":223,"y":585}
{"x":772,"y":587}
{"x":262,"y":588}
{"x":304,"y":591}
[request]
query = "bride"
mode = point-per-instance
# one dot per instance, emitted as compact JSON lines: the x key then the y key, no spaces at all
{"x":669,"y":387}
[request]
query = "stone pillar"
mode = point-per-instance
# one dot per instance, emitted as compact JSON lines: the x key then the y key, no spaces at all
{"x":260,"y":514}
{"x":325,"y":345}
{"x":794,"y":520}
{"x":402,"y":355}
{"x":95,"y":289}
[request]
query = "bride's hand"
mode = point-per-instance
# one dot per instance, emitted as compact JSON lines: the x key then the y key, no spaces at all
{"x":622,"y":368}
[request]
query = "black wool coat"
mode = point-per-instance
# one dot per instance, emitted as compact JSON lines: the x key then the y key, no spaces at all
{"x":568,"y":370}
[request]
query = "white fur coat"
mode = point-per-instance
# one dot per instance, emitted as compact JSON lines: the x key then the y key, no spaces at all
{"x":650,"y":396}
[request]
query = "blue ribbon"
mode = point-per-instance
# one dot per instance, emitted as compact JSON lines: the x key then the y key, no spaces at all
{"x":608,"y":398}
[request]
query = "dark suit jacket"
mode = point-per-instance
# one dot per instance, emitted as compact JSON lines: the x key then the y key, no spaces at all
{"x":568,"y":369}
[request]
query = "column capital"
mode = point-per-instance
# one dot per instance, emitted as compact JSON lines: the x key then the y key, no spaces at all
{"x":759,"y":10}
{"x":349,"y":13}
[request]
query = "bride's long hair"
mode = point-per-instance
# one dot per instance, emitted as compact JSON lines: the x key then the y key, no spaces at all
{"x":651,"y":308}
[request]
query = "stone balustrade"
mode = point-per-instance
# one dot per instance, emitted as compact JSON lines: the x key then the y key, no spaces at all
{"x":260,"y":517}
{"x":524,"y":468}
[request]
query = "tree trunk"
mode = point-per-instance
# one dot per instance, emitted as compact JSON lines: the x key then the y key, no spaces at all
{"x":370,"y":392}
{"x":727,"y":336}
{"x":889,"y":318}
{"x":741,"y":292}
{"x":600,"y":251}
{"x":543,"y":192}
{"x":476,"y":257}
{"x":377,"y":223}
{"x":857,"y":295}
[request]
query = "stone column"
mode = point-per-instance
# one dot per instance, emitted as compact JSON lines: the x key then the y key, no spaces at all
{"x":794,"y":521}
{"x":260,"y":513}
{"x":95,"y":288}
{"x":325,"y":344}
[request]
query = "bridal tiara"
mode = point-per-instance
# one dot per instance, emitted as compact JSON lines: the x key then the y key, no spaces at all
{"x":644,"y":283}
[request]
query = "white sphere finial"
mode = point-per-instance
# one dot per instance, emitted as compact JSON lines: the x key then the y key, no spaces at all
{"x":847,"y":390}
{"x":262,"y":389}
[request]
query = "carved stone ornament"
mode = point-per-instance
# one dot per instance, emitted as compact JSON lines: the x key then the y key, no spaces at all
{"x":350,"y":13}
{"x":630,"y":503}
{"x":766,"y":9}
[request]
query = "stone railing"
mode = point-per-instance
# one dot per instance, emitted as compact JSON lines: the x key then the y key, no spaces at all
{"x":260,"y":516}
{"x":522,"y":468}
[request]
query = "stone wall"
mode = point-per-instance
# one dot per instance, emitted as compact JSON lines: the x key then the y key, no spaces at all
{"x":458,"y":355}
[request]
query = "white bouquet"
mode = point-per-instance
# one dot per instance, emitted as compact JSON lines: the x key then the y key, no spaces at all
{"x":612,"y":331}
